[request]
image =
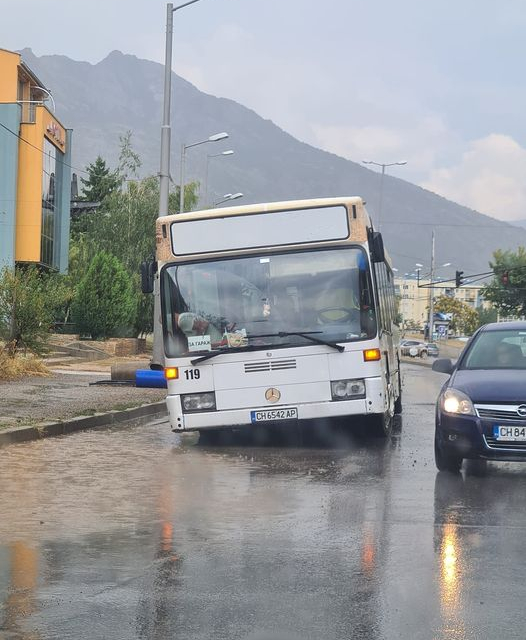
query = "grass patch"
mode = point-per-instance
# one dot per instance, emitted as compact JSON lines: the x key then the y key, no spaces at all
{"x":21,"y":367}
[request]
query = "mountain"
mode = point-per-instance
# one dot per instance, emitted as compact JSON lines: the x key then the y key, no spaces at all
{"x":121,"y":93}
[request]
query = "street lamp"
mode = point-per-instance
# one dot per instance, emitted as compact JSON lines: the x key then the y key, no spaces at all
{"x":164,"y":171}
{"x":383,"y":165}
{"x":213,"y":155}
{"x":227,"y":197}
{"x":215,"y":138}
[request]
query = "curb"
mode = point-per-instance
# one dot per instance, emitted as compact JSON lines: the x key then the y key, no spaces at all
{"x":50,"y":429}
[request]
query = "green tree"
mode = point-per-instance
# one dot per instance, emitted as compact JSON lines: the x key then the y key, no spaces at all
{"x":129,"y":160}
{"x":105,"y":302}
{"x":464,"y":319}
{"x":124,"y":226}
{"x":510,"y":298}
{"x":29,"y":301}
{"x":101,"y":181}
{"x":485,"y":316}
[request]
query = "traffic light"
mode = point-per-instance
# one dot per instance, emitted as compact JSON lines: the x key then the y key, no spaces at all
{"x":505,"y":279}
{"x":458,"y":278}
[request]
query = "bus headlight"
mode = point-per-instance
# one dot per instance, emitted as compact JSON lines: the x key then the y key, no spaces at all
{"x":198,"y":402}
{"x":347,"y":389}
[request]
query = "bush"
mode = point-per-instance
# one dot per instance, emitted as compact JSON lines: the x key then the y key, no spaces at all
{"x":20,"y":367}
{"x":105,"y":301}
{"x":28,"y":303}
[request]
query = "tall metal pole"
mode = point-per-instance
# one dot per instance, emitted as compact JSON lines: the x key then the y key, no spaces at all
{"x":206,"y":180}
{"x":381,"y":196}
{"x":431,"y":299}
{"x":164,"y":173}
{"x":164,"y":183}
{"x":383,"y":165}
{"x":181,"y":180}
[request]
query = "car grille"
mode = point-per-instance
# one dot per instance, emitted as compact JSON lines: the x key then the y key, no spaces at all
{"x":491,"y":443}
{"x":500,"y":412}
{"x":272,"y":365}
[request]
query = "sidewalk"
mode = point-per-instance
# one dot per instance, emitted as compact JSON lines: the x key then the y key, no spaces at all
{"x":67,"y":393}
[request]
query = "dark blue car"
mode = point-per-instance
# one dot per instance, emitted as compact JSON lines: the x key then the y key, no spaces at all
{"x":481,"y":409}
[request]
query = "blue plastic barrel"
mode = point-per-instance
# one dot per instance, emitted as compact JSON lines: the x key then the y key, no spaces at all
{"x":150,"y":378}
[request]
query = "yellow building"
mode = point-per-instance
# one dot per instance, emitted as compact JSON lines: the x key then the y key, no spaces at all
{"x":414,"y":300}
{"x":35,"y":174}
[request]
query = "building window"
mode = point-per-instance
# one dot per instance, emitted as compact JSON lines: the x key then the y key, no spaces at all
{"x":49,"y":190}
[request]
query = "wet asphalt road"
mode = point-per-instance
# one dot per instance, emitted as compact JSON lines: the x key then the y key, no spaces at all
{"x":136,"y":533}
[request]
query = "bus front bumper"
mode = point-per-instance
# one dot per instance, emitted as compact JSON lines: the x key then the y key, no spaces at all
{"x":243,"y":417}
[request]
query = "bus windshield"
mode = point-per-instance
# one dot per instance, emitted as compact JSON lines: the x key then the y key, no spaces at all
{"x":249,"y":301}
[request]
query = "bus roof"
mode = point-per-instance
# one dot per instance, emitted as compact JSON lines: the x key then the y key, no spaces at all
{"x":263,"y":207}
{"x":358,"y":222}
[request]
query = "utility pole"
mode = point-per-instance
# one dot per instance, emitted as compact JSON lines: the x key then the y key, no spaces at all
{"x":164,"y":173}
{"x":431,"y":299}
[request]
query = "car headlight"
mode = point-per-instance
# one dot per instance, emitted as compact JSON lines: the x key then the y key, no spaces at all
{"x":199,"y":402}
{"x":347,"y":389}
{"x":454,"y":401}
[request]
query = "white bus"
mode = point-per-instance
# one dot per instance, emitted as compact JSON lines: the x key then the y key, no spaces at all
{"x":277,"y":312}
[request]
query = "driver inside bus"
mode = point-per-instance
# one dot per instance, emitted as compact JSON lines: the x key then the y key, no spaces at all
{"x":192,"y":324}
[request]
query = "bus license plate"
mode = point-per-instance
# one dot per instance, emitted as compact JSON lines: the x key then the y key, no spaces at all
{"x":509,"y":434}
{"x":270,"y":415}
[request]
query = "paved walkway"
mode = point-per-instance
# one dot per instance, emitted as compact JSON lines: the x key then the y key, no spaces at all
{"x":67,"y":394}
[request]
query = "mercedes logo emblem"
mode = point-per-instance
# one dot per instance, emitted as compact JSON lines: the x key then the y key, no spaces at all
{"x":522,"y":410}
{"x":273,"y":395}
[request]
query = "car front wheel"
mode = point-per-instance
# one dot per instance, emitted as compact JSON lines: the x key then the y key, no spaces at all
{"x":446,"y":461}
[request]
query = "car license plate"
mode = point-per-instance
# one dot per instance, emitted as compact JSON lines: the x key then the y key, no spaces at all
{"x":503,"y":433}
{"x":270,"y":415}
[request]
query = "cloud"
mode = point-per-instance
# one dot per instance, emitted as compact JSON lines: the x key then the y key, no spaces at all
{"x":489,"y":178}
{"x":423,"y":144}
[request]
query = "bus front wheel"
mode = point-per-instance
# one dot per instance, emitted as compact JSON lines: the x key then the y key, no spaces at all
{"x":380,"y":425}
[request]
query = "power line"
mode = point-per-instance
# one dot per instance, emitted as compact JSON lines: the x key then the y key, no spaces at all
{"x":446,"y":224}
{"x":17,"y":135}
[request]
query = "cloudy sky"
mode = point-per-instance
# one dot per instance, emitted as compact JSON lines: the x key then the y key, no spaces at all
{"x":439,"y":84}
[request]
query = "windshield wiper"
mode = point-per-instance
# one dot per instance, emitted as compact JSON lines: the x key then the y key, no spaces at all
{"x":218,"y":352}
{"x":307,"y":335}
{"x":280,"y":334}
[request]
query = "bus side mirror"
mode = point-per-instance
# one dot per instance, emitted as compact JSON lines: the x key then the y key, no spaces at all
{"x":148,"y":270}
{"x":376,"y":247}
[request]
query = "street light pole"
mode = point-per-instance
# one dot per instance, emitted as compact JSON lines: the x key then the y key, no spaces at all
{"x":213,"y":155}
{"x":383,"y":165}
{"x":215,"y":138}
{"x":164,"y":172}
{"x":431,"y":299}
{"x":227,"y":197}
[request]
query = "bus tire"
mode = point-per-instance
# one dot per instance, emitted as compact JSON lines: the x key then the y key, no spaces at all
{"x":380,"y":425}
{"x":398,"y":408}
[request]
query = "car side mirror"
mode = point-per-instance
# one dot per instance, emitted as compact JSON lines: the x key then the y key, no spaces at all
{"x":443,"y":365}
{"x":148,"y":270}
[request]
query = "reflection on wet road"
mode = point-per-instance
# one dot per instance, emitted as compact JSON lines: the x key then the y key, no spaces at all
{"x":137,"y":533}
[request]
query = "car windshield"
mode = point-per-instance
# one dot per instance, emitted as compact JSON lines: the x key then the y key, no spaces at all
{"x":267,"y":300}
{"x":504,"y":349}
